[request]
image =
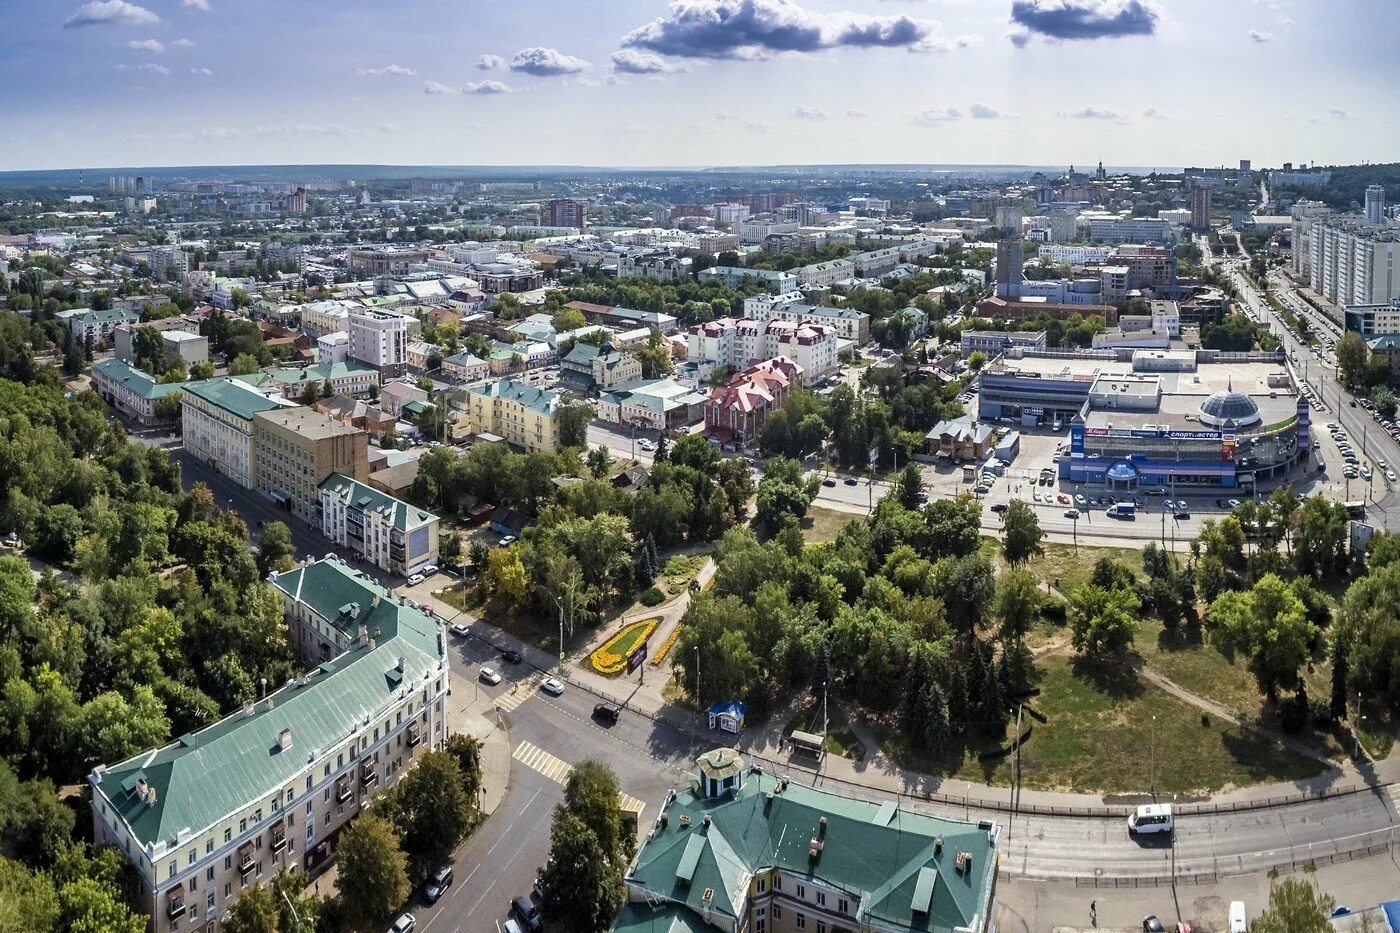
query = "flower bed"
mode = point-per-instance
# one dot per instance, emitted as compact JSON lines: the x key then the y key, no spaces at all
{"x":666,"y":646}
{"x":610,"y":658}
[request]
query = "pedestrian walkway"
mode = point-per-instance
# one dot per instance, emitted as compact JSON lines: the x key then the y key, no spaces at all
{"x":558,"y":770}
{"x":507,"y":702}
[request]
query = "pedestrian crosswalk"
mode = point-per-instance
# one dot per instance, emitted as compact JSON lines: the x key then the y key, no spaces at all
{"x":557,"y":769}
{"x":518,"y":694}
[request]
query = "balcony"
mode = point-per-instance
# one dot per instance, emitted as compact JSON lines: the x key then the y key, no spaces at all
{"x":415,"y":734}
{"x":368,"y":772}
{"x":246,"y":857}
{"x":342,"y":788}
{"x":279,"y":835}
{"x":175,"y":902}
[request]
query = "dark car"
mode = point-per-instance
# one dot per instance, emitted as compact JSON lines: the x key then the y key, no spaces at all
{"x":438,"y":884}
{"x":529,"y":914}
{"x":1181,"y":515}
{"x":999,"y":507}
{"x":828,"y":482}
{"x":1152,"y":925}
{"x":607,"y":712}
{"x":511,"y":656}
{"x":850,"y":481}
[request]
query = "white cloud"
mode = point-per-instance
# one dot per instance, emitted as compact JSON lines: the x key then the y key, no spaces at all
{"x":486,"y":87}
{"x":631,"y":61}
{"x":277,"y":129}
{"x":110,"y":13}
{"x":435,"y":87}
{"x":857,"y":114}
{"x":984,"y":112}
{"x":1339,"y":113}
{"x":1258,"y":36}
{"x":1093,"y":113}
{"x":810,"y":113}
{"x":203,"y":72}
{"x":546,"y":63}
{"x":154,"y":46}
{"x":153,"y":68}
{"x":938,"y":43}
{"x":182,"y":44}
{"x":489,"y":62}
{"x":936,"y":116}
{"x":754,"y":126}
{"x":1152,"y":113}
{"x":396,"y":71}
{"x":196,"y":5}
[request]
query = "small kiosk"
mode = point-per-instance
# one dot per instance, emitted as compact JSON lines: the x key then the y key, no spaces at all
{"x":728,"y":716}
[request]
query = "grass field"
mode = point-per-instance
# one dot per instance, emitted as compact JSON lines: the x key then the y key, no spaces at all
{"x":1098,"y":737}
{"x":678,"y":571}
{"x":840,"y":740}
{"x":1060,"y":562}
{"x":823,"y":524}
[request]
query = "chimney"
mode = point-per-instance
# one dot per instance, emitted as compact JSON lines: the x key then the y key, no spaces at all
{"x":284,"y":739}
{"x":249,"y":708}
{"x":400,"y":664}
{"x":269,"y":703}
{"x":151,"y":795}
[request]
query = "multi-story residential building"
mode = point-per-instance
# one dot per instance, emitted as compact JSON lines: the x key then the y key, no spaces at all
{"x":1009,"y":268}
{"x":333,"y":347}
{"x":382,"y":260}
{"x":777,"y":283}
{"x":655,"y":404}
{"x":95,"y":328}
{"x":755,"y":232}
{"x":1387,"y":347}
{"x":1148,"y":266}
{"x":740,"y":344}
{"x":1064,"y":225}
{"x":1374,"y":320}
{"x":587,"y":367}
{"x":1200,"y":208}
{"x":730,"y":214}
{"x":272,"y":785}
{"x":216,"y":417}
{"x":1352,"y":263}
{"x":743,"y":850}
{"x":1304,"y":214}
{"x":420,"y":354}
{"x":1300,"y":179}
{"x":825,"y":273}
{"x":525,"y":415}
{"x":1375,"y":204}
{"x":1074,"y":255}
{"x":1132,"y":230}
{"x":379,"y":339}
{"x":846,"y":323}
{"x":131,"y":391}
{"x":389,"y":533}
{"x":296,"y":449}
{"x":170,"y":263}
{"x":653,"y":265}
{"x":349,"y":378}
{"x":395,"y":395}
{"x":466,"y":367}
{"x":566,"y":212}
{"x":325,"y":317}
{"x":179,"y":337}
{"x":736,"y":411}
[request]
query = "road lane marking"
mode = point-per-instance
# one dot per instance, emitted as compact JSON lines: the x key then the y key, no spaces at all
{"x":558,"y":770}
{"x":518,"y":694}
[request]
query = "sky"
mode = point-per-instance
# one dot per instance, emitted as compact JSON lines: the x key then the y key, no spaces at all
{"x":95,"y":83}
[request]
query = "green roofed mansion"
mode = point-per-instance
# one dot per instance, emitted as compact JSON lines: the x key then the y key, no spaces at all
{"x":273,"y":784}
{"x":390,"y":533}
{"x":744,"y":851}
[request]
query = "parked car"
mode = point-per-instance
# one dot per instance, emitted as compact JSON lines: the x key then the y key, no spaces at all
{"x":507,"y":541}
{"x":429,"y":569}
{"x":607,"y":712}
{"x":529,"y":914}
{"x":511,"y":656}
{"x":1181,"y":515}
{"x":416,"y":579}
{"x":460,"y":629}
{"x":489,"y":676}
{"x":999,"y":507}
{"x":1238,"y":921}
{"x":438,"y":884}
{"x":1233,"y":503}
{"x":405,"y":924}
{"x":552,"y":687}
{"x":1072,"y":513}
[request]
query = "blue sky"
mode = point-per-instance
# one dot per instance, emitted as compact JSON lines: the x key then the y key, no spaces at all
{"x":696,"y":82}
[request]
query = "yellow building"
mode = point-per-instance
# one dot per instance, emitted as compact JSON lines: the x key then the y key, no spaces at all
{"x":524,"y":415}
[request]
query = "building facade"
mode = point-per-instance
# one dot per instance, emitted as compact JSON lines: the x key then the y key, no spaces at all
{"x":131,"y":391}
{"x":379,"y":339}
{"x":273,"y":785}
{"x":296,"y":449}
{"x":388,"y":532}
{"x":525,"y":415}
{"x":216,"y":418}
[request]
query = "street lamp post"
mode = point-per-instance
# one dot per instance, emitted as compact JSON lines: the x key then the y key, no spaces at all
{"x":1153,"y":759}
{"x":697,"y":677}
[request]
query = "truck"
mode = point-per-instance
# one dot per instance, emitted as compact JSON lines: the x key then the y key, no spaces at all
{"x":1122,"y":510}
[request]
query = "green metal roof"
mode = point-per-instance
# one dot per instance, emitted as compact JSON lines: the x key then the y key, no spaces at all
{"x":297,"y":375}
{"x":532,"y":397}
{"x":208,"y":775}
{"x":233,"y":395}
{"x":888,"y":859}
{"x":134,"y":379}
{"x":642,"y":918}
{"x":369,"y":499}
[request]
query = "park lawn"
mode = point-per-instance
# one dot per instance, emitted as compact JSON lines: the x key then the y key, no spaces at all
{"x":1060,"y":562}
{"x":840,"y":740}
{"x":1098,"y":737}
{"x":678,"y":571}
{"x":822,"y":525}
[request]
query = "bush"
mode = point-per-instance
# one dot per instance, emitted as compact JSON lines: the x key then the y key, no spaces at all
{"x":1322,"y":714}
{"x":1205,"y":720}
{"x":652,"y":597}
{"x":1293,"y":715}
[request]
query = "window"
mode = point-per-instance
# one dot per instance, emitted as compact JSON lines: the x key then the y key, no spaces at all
{"x":242,"y":826}
{"x":173,"y":866}
{"x":821,"y":898}
{"x":761,"y":886}
{"x":802,"y":921}
{"x":209,"y":902}
{"x":759,"y":925}
{"x":801,"y":890}
{"x":821,"y":927}
{"x":228,"y":833}
{"x":777,"y":913}
{"x":209,"y":873}
{"x":192,"y":856}
{"x":208,"y":846}
{"x":842,"y":907}
{"x":228,"y":862}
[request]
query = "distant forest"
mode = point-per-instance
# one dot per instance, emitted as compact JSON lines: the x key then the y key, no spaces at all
{"x":1349,"y":183}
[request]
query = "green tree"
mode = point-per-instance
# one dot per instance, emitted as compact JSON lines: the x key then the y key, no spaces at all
{"x":1384,"y":400}
{"x":567,"y":319}
{"x":243,"y":364}
{"x":1102,"y":621}
{"x":1017,"y":606}
{"x":436,"y":811}
{"x":600,"y":461}
{"x":275,"y":550}
{"x":1268,"y":624}
{"x":967,"y":586}
{"x":253,"y":912}
{"x":1020,"y":532}
{"x":1295,"y":906}
{"x":910,"y":486}
{"x":1351,"y":357}
{"x":372,"y":878}
{"x":580,"y":888}
{"x":505,"y":581}
{"x":204,"y":369}
{"x":572,"y":420}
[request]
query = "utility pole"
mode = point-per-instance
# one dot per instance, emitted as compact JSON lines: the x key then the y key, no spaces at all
{"x":1153,"y":759}
{"x":697,"y":676}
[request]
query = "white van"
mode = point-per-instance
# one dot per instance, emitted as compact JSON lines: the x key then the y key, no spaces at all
{"x":1237,"y":919}
{"x":1151,"y":818}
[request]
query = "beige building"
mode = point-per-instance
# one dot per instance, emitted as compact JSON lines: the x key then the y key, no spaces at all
{"x":296,"y":449}
{"x":216,"y":417}
{"x":273,"y":785}
{"x":524,"y":415}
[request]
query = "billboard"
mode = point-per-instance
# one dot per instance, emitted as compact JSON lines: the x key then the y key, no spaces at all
{"x":635,"y":659}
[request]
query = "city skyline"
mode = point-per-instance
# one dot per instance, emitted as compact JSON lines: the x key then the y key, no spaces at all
{"x":695,"y":82}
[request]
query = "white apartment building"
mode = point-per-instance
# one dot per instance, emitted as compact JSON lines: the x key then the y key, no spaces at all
{"x":271,"y":786}
{"x":379,"y":339}
{"x":168,"y":262}
{"x":1074,"y":255}
{"x":779,"y":283}
{"x":754,"y":232}
{"x":95,"y":328}
{"x":1305,"y":213}
{"x":1375,"y":320}
{"x":847,"y":323}
{"x":740,"y":343}
{"x":217,"y":424}
{"x":388,"y":532}
{"x":333,"y":347}
{"x":1352,"y":263}
{"x":731,"y":213}
{"x":325,"y":317}
{"x":1132,"y":230}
